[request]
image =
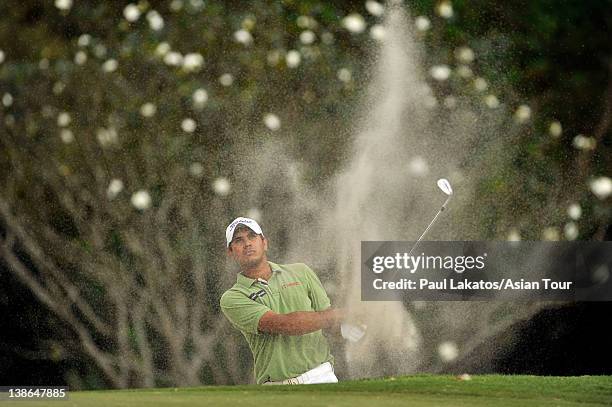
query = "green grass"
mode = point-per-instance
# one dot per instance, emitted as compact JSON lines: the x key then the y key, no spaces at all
{"x":413,"y":391}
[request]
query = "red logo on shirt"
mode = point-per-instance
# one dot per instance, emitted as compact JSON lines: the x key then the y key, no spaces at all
{"x":287,"y":285}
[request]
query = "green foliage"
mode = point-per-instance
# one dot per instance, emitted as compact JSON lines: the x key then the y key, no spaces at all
{"x":421,"y":390}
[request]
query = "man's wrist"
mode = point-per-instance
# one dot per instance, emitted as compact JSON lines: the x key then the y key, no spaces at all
{"x":335,"y":316}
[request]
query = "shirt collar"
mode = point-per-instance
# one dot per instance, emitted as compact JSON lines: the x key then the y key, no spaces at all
{"x":247,"y":282}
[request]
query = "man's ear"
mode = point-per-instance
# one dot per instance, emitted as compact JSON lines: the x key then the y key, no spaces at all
{"x":265,"y":243}
{"x":229,"y":251}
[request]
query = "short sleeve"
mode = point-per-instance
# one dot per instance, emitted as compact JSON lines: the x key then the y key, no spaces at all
{"x":318,"y":296}
{"x":241,"y":311}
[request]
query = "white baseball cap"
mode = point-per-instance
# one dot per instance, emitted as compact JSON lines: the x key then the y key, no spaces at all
{"x":248,"y":222}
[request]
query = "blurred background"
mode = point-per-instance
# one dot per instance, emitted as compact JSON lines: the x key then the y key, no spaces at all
{"x":131,"y":134}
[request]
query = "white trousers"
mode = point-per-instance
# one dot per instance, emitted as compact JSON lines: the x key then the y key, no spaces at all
{"x":324,"y":373}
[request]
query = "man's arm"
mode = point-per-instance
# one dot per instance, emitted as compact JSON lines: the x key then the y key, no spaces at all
{"x":300,"y":322}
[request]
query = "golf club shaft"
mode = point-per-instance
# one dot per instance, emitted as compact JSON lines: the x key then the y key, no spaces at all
{"x":428,"y":226}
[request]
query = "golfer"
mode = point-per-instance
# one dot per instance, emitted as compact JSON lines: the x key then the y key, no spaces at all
{"x":280,"y":309}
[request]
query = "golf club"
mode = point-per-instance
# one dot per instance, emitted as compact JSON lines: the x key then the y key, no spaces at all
{"x":445,"y":186}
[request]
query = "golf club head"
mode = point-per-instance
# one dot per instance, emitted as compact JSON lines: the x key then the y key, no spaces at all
{"x":445,"y":186}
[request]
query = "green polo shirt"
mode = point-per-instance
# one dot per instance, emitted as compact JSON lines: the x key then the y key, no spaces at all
{"x":292,"y":287}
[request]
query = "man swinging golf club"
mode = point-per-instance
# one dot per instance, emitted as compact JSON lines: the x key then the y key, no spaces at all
{"x":281,"y":311}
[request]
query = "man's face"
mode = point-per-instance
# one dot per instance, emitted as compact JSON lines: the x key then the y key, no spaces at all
{"x":248,"y":248}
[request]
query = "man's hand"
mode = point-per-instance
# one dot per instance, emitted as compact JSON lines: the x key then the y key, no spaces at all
{"x":351,"y":332}
{"x":300,"y":322}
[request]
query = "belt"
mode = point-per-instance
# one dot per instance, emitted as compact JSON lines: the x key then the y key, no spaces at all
{"x":305,"y":377}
